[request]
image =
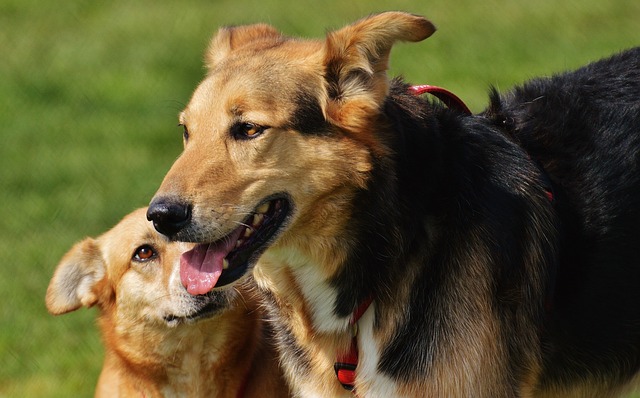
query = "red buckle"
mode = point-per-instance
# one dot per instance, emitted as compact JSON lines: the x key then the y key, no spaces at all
{"x":345,"y":366}
{"x":346,"y":373}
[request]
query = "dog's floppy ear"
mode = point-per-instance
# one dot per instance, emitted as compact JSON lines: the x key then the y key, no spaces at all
{"x":233,"y":37}
{"x":73,"y":282}
{"x":356,"y":60}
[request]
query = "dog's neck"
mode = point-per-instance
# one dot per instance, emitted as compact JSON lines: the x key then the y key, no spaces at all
{"x":296,"y":280}
{"x":329,"y":277}
{"x":211,"y":358}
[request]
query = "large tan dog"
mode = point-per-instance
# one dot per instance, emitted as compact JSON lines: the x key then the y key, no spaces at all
{"x":160,"y":341}
{"x":472,"y":256}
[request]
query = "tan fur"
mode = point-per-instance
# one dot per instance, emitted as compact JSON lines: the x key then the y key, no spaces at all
{"x":358,"y":57}
{"x":146,"y":356}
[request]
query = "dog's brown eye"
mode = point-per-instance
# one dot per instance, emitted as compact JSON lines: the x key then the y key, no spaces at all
{"x":252,"y":129}
{"x":144,"y":253}
{"x":185,"y":134}
{"x":247,"y":130}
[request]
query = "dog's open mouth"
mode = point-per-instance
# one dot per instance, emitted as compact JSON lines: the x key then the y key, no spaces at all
{"x":222,"y":262}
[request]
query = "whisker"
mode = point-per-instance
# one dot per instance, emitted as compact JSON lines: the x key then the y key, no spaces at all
{"x":243,"y":224}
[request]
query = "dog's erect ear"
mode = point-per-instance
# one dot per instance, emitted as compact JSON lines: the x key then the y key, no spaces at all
{"x":231,"y":38}
{"x":356,"y":60}
{"x":73,"y":282}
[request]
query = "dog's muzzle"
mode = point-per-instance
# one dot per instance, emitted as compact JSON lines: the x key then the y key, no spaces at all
{"x":169,"y":215}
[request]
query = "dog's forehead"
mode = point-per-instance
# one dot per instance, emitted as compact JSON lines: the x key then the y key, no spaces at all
{"x":214,"y":105}
{"x":283,"y":58}
{"x":257,"y":81}
{"x":132,"y":231}
{"x":134,"y":224}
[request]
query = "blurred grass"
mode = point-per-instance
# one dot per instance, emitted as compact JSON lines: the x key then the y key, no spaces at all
{"x":89,"y":93}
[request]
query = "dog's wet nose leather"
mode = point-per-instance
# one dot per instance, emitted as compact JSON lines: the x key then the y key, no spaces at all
{"x":169,"y":216}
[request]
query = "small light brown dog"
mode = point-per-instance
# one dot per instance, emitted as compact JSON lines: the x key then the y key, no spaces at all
{"x":160,"y":340}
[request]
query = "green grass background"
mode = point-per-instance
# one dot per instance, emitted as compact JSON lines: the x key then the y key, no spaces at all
{"x":90,"y":91}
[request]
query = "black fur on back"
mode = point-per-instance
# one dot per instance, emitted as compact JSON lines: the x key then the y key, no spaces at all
{"x":584,"y":129}
{"x":562,"y":277}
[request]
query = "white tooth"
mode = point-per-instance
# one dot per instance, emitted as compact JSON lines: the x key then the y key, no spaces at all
{"x":257,"y":219}
{"x":247,"y":232}
{"x":263,"y":208}
{"x":225,"y":263}
{"x":239,"y":243}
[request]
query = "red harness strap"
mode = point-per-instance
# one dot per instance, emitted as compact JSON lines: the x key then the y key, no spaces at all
{"x":450,"y":99}
{"x":243,"y":387}
{"x":346,"y":364}
{"x":242,"y":391}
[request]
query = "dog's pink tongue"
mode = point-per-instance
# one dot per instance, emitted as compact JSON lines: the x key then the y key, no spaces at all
{"x":201,"y":267}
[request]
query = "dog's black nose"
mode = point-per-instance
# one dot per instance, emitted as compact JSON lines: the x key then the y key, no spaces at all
{"x":169,"y":215}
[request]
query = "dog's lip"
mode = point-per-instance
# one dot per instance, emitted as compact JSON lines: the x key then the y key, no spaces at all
{"x":219,"y":263}
{"x":206,"y":311}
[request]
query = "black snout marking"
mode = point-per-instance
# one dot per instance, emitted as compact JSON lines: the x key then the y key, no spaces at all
{"x":169,"y":215}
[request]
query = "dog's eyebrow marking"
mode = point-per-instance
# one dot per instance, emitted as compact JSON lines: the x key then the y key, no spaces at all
{"x":236,"y":110}
{"x":307,"y":116}
{"x":150,"y":237}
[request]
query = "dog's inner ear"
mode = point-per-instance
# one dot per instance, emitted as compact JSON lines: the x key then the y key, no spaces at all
{"x":232,"y":38}
{"x":74,"y":281}
{"x":356,"y":60}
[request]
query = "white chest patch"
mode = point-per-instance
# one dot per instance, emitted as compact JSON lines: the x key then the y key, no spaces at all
{"x":373,"y":383}
{"x":318,"y":293}
{"x":321,"y":298}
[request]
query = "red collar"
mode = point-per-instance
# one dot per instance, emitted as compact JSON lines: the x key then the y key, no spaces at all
{"x":243,"y":387}
{"x":450,"y":99}
{"x":346,"y":364}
